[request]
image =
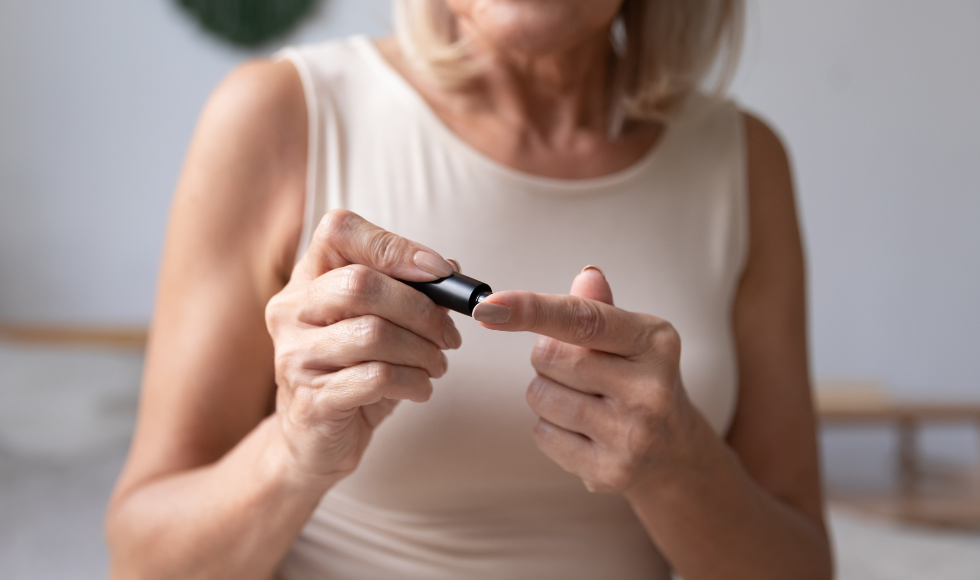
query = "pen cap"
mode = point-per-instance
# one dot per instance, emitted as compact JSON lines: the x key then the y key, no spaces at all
{"x":456,"y":292}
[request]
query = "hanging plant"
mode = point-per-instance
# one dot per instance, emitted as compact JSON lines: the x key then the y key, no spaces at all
{"x":248,"y":22}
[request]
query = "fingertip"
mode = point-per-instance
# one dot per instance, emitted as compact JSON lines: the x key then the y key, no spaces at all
{"x":445,"y":364}
{"x":427,"y":393}
{"x":592,"y":283}
{"x":451,"y":335}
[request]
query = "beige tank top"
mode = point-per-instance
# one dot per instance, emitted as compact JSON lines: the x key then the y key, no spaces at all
{"x":455,"y":487}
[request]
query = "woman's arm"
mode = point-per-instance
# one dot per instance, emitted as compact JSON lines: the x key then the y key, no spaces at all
{"x":754,"y":510}
{"x":215,"y":486}
{"x":182,"y":507}
{"x":614,"y":412}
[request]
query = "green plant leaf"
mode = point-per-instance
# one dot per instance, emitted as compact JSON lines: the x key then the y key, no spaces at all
{"x":248,"y":22}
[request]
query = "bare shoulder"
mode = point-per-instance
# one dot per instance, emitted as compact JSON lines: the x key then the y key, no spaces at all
{"x":758,"y":132}
{"x":259,"y":98}
{"x":768,"y":161}
{"x":774,"y":232}
{"x":245,"y":172}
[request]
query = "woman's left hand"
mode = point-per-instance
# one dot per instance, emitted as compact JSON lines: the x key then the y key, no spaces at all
{"x":611,"y":406}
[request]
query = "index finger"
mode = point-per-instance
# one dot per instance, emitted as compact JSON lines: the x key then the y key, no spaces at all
{"x":343,"y":238}
{"x":572,"y":319}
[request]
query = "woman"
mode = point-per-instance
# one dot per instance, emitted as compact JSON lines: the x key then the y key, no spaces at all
{"x":568,"y":437}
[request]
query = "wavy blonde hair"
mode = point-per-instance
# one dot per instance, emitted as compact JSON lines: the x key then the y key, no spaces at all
{"x":663,"y":51}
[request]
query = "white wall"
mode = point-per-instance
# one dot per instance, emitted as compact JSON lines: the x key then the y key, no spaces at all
{"x":879,"y":101}
{"x":97,"y":103}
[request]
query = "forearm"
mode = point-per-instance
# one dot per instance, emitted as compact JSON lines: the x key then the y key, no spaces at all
{"x":233,"y":519}
{"x":711,"y":520}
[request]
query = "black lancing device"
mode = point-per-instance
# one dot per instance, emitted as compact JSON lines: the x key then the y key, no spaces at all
{"x":456,"y":292}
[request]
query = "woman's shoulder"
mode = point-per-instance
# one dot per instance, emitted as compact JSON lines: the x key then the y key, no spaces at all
{"x":762,"y":139}
{"x":259,"y":93}
{"x":259,"y":109}
{"x":265,"y":93}
{"x":247,"y":160}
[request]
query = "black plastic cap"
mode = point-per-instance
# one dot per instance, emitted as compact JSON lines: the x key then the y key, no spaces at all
{"x":457,"y":292}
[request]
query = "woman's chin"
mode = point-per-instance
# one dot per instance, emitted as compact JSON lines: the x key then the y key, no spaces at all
{"x":535,"y":27}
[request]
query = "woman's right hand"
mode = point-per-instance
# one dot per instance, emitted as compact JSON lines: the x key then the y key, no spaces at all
{"x":351,"y":341}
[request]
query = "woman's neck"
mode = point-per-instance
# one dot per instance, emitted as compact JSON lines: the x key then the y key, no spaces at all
{"x":543,"y":114}
{"x":553,"y":95}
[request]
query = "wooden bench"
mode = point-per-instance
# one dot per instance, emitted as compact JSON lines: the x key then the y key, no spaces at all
{"x":927,"y":492}
{"x":74,"y":335}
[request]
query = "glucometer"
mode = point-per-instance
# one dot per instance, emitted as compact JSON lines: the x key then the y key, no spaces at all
{"x":456,"y":292}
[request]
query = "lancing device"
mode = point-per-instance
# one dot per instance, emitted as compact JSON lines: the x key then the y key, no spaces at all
{"x":455,"y":292}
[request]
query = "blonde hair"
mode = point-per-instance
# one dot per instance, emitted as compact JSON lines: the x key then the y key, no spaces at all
{"x":665,"y":51}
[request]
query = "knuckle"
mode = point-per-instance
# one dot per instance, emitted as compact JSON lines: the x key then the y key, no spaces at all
{"x":616,"y":475}
{"x":289,"y":364}
{"x":637,"y":438}
{"x":370,"y":330}
{"x":274,"y":310}
{"x":648,"y":404}
{"x":301,"y":404}
{"x":305,"y":406}
{"x":335,"y":226}
{"x":359,"y":282}
{"x":545,"y":354}
{"x":536,"y":393}
{"x":388,"y":249}
{"x":577,"y":360}
{"x":542,"y":434}
{"x":377,"y":375}
{"x":550,"y":354}
{"x":654,"y":409}
{"x":588,"y":323}
{"x":664,"y":339}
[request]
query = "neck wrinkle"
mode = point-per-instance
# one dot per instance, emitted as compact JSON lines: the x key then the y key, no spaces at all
{"x":554,"y":95}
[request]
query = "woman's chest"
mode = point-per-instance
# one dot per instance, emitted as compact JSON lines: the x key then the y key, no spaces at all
{"x":471,"y":443}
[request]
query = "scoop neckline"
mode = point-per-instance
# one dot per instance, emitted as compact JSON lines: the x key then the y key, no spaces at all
{"x":547,"y":184}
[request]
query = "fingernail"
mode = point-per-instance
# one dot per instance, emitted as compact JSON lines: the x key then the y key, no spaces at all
{"x":491,"y":313}
{"x":456,"y":266}
{"x":596,"y":268}
{"x":451,"y":334}
{"x":432,"y":264}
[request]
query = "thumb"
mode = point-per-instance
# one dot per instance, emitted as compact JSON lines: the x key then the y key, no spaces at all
{"x":591,"y":283}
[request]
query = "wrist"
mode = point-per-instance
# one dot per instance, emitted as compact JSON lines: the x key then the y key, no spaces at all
{"x":279,"y":462}
{"x":690,"y":465}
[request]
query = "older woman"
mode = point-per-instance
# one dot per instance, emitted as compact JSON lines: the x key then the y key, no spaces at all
{"x":566,"y":437}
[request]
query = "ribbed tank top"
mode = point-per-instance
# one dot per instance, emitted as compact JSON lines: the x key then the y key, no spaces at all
{"x":455,"y":487}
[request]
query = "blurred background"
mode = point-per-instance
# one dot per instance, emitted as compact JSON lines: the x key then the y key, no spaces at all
{"x":878,"y":101}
